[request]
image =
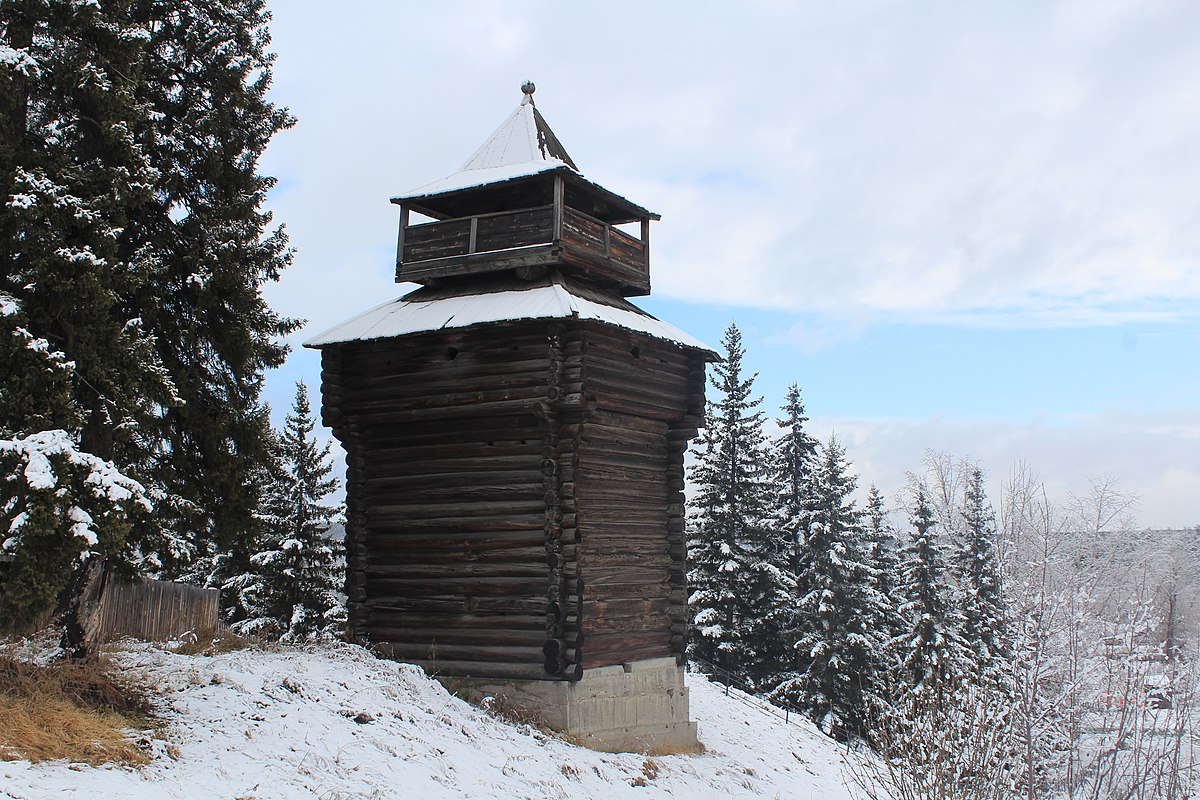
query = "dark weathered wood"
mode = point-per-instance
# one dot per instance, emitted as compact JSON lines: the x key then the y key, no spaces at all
{"x":494,"y":471}
{"x":471,"y":669}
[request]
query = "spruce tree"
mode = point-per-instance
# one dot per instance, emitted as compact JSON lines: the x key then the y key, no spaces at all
{"x":75,"y":172}
{"x":884,"y":558}
{"x":980,"y":599}
{"x":293,"y":590}
{"x":132,"y":243}
{"x":834,"y":641}
{"x":739,"y":584}
{"x":794,"y":454}
{"x":929,"y":651}
{"x":207,"y":72}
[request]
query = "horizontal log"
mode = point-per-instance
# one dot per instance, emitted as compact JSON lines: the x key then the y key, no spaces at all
{"x":504,"y":426}
{"x":482,"y":492}
{"x":634,"y":572}
{"x":536,"y":406}
{"x":444,"y":557}
{"x":486,"y":608}
{"x":633,"y":406}
{"x":471,"y":363}
{"x":394,"y":464}
{"x":497,"y":587}
{"x":637,"y":608}
{"x":604,"y":659}
{"x":382,"y":509}
{"x":508,"y":533}
{"x":462,"y":396}
{"x":474,"y":669}
{"x":437,"y":651}
{"x":494,"y":636}
{"x":460,"y":569}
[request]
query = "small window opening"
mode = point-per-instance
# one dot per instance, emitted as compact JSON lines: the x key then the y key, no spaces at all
{"x":636,"y":352}
{"x":451,"y":353}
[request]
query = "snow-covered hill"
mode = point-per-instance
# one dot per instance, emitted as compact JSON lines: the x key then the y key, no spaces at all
{"x":334,"y":722}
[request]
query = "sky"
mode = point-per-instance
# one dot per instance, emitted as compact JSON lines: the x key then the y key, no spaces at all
{"x":958,"y":227}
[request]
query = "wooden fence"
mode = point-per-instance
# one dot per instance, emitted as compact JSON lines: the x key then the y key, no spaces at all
{"x":155,"y":610}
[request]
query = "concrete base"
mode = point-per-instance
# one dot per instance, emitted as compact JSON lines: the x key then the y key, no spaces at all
{"x":640,"y":707}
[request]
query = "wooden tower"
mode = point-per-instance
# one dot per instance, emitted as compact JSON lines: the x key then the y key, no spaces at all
{"x":515,"y":432}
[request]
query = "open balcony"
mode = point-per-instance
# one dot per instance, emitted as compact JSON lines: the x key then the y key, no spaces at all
{"x":529,"y":241}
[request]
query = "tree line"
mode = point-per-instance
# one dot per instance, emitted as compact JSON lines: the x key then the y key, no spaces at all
{"x":134,"y":334}
{"x":1039,"y":650}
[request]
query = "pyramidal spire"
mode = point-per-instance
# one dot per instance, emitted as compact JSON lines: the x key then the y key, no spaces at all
{"x":522,"y":145}
{"x":522,"y":138}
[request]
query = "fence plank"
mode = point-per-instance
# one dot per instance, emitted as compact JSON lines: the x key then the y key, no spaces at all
{"x":156,"y":610}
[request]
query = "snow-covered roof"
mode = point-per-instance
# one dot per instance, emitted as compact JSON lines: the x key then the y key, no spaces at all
{"x":554,"y":301}
{"x":522,"y":145}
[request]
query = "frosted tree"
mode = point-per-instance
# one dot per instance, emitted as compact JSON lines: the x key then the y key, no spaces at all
{"x":883,"y":555}
{"x":983,"y":627}
{"x":294,"y":588}
{"x":133,"y":244}
{"x":929,"y":649}
{"x":833,"y":637}
{"x":740,"y":589}
{"x":211,"y":248}
{"x":793,"y":456}
{"x":82,"y":382}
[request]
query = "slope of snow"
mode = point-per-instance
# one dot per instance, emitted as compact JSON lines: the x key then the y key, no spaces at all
{"x":334,"y":722}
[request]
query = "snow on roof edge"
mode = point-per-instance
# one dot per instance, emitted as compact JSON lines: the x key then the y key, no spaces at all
{"x":400,"y":317}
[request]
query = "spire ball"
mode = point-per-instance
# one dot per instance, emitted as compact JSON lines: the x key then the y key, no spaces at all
{"x":528,"y":87}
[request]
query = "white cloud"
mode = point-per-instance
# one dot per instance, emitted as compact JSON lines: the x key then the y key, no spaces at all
{"x":1155,"y":456}
{"x":862,"y":159}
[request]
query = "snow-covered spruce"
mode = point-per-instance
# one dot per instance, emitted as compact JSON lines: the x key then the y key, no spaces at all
{"x":291,"y":587}
{"x":103,"y":333}
{"x":739,"y":580}
{"x":833,"y":639}
{"x":60,"y":505}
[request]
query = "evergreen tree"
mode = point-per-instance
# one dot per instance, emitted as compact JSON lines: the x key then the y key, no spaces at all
{"x":929,"y":650}
{"x":740,"y":586}
{"x":834,"y":642}
{"x":206,"y":76}
{"x":980,"y":602}
{"x":294,"y":588}
{"x":75,"y":173}
{"x":884,"y":558}
{"x":133,"y":247}
{"x":794,"y":454}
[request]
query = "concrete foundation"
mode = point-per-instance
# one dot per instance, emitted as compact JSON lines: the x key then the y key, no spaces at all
{"x":641,"y":706}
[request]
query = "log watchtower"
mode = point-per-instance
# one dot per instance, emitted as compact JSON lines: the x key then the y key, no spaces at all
{"x":514,"y":431}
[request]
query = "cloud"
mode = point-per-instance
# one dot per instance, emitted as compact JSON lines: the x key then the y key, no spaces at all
{"x":1152,"y":455}
{"x":863,"y":160}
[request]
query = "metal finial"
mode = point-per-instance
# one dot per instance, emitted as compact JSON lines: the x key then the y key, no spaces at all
{"x":528,"y":88}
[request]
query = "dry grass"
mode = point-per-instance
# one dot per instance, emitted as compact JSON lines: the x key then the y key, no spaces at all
{"x":223,"y":641}
{"x":71,"y":710}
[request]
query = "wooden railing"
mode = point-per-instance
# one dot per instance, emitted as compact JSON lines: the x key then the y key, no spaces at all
{"x":590,"y":233}
{"x":486,"y":233}
{"x":482,"y":233}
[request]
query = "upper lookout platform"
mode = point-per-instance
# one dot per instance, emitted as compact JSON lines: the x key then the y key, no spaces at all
{"x":520,"y":204}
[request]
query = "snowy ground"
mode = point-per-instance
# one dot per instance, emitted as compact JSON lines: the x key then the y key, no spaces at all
{"x":333,"y":722}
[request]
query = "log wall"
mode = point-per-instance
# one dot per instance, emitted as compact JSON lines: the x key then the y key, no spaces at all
{"x":514,"y":495}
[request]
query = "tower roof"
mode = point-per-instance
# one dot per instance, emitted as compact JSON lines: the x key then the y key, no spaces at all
{"x":523,"y":146}
{"x":552,"y":298}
